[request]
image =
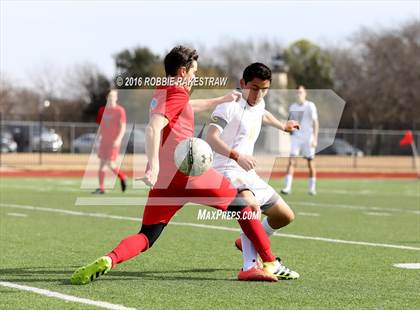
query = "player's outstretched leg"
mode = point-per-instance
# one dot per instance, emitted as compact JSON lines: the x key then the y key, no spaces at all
{"x":128,"y":248}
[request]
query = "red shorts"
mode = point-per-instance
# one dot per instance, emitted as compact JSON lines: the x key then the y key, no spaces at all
{"x":211,"y":189}
{"x":108,"y":152}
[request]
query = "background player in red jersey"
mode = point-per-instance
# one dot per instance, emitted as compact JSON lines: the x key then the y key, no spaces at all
{"x":171,"y":121}
{"x":112,"y":124}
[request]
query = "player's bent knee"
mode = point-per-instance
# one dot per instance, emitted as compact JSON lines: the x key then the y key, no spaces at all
{"x":291,"y":216}
{"x":237,"y":204}
{"x":152,"y":232}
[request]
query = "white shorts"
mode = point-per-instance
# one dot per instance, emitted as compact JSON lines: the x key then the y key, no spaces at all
{"x":265,"y":195}
{"x":302,"y":147}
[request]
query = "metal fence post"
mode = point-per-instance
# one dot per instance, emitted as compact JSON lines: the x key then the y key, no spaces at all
{"x":40,"y":138}
{"x":1,"y":135}
{"x":72,"y":135}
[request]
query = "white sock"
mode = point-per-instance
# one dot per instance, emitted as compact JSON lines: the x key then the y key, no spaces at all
{"x":288,"y":180}
{"x":248,"y":252}
{"x":312,"y":184}
{"x":268,"y":229}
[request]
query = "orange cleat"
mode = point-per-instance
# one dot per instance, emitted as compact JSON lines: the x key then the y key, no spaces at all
{"x":256,"y":274}
{"x":238,"y":244}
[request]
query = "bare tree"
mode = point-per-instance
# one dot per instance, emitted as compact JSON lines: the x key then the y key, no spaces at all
{"x":380,"y":76}
{"x":233,"y":56}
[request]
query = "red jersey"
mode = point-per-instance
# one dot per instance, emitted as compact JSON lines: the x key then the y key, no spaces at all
{"x":110,"y":119}
{"x":173,"y":103}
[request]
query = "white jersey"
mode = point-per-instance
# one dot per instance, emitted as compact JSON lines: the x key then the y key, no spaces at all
{"x":305,"y":113}
{"x":240,"y":126}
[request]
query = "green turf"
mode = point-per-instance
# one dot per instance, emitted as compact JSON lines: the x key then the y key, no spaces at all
{"x":196,"y":268}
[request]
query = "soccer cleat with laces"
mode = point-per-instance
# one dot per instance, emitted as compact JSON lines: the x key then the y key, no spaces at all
{"x":281,"y":271}
{"x":91,"y":272}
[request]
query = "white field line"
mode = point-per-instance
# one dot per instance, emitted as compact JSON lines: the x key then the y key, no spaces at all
{"x":377,"y":214}
{"x":17,"y":214}
{"x":353,"y":207}
{"x":367,"y":192}
{"x":43,"y":188}
{"x":48,"y":293}
{"x":308,"y":214}
{"x":408,"y":265}
{"x":127,"y":218}
{"x":138,"y":201}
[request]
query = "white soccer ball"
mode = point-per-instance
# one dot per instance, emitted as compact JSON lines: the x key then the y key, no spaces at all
{"x":193,"y":156}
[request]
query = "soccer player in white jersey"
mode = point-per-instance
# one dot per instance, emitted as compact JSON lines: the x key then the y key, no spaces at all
{"x":233,"y":131}
{"x":303,"y":141}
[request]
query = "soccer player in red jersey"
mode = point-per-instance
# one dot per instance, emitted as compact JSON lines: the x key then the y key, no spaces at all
{"x":112,"y":124}
{"x":171,"y":121}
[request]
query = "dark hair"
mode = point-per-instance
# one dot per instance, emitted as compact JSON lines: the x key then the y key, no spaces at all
{"x":256,"y":70}
{"x":179,"y":56}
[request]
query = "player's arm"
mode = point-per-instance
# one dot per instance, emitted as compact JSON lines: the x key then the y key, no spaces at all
{"x":315,"y":125}
{"x":219,"y":146}
{"x":270,"y":120}
{"x":99,"y":120}
{"x":153,"y":135}
{"x":120,"y":133}
{"x":199,"y":105}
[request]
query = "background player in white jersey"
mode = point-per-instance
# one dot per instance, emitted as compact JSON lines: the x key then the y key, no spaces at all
{"x":233,"y":131}
{"x":303,"y":141}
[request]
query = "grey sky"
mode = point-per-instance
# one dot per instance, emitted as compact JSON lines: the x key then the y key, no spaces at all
{"x":57,"y":35}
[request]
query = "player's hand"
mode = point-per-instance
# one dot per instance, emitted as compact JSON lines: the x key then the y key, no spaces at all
{"x":151,"y":177}
{"x":314,"y":142}
{"x":234,"y":95}
{"x":247,"y":162}
{"x":291,"y":126}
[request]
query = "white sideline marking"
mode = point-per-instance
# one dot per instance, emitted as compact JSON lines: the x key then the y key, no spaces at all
{"x":308,"y":214}
{"x":48,"y":293}
{"x":69,"y":212}
{"x":377,"y":214}
{"x":354,"y":207}
{"x":136,"y":201}
{"x":128,"y":218}
{"x":17,"y":214}
{"x":408,"y":266}
{"x":368,"y":193}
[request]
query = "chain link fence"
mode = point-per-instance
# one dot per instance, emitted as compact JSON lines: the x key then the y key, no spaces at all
{"x":31,"y":140}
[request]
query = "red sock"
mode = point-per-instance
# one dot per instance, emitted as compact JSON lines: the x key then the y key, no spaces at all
{"x":254,"y":230}
{"x":128,"y":248}
{"x":119,"y":173}
{"x":101,"y":175}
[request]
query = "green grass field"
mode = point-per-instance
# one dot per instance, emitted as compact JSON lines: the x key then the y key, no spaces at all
{"x":196,"y":267}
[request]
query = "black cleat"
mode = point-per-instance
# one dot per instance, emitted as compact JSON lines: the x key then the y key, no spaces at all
{"x":98,"y":191}
{"x":123,"y":185}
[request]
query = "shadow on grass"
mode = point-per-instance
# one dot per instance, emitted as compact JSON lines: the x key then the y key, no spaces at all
{"x":62,"y":276}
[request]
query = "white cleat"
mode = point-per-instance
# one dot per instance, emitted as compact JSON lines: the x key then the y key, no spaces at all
{"x":312,"y":192}
{"x":286,"y":191}
{"x":280,"y":271}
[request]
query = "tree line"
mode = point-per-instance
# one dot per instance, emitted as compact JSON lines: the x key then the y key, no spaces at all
{"x":376,"y":71}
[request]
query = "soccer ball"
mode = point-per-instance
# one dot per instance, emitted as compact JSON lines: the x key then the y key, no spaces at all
{"x":193,"y":156}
